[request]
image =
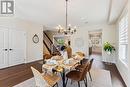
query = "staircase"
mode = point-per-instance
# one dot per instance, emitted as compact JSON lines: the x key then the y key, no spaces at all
{"x":49,"y":45}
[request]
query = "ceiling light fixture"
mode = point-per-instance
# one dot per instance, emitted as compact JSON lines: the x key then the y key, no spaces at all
{"x":68,"y":28}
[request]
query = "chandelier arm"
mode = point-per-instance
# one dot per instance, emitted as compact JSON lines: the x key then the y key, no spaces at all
{"x":68,"y":29}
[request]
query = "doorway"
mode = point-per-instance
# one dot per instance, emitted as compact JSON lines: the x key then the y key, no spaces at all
{"x":95,"y":44}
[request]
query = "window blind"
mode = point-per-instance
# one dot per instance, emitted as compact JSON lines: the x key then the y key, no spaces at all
{"x":123,"y":30}
{"x":123,"y":38}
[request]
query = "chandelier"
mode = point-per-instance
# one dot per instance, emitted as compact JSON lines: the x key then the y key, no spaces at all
{"x":69,"y":30}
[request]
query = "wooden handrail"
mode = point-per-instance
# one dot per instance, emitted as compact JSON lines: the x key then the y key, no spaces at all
{"x":48,"y":37}
{"x":47,"y":46}
{"x":50,"y":42}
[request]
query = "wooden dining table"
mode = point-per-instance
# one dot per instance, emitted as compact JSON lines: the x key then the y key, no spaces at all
{"x":65,"y":64}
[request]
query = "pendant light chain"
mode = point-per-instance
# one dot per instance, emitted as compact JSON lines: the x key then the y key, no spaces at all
{"x":66,"y":14}
{"x":68,"y":29}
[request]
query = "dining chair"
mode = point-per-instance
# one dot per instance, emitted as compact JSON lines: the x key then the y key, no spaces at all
{"x":81,"y":66}
{"x":78,"y":75}
{"x":89,"y":68}
{"x":44,"y":80}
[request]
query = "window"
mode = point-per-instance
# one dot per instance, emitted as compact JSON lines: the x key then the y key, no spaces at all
{"x":123,"y":39}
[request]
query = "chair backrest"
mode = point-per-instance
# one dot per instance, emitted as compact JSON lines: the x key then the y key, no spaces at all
{"x":39,"y":80}
{"x":83,"y":61}
{"x":90,"y":65}
{"x":84,"y":71}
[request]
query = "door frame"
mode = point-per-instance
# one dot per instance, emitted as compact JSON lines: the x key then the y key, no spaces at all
{"x":101,"y":41}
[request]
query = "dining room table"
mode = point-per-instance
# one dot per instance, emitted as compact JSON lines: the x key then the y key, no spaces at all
{"x":60,"y":65}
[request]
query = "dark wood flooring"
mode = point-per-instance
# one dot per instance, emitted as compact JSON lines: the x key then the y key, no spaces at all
{"x":16,"y":74}
{"x":117,"y":80}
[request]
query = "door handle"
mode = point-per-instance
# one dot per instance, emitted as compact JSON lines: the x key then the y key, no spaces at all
{"x":10,"y":49}
{"x":5,"y":49}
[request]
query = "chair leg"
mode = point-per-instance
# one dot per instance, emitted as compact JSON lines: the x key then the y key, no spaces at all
{"x":78,"y":84}
{"x":71,"y":82}
{"x":57,"y":84}
{"x":86,"y":79}
{"x":85,"y":83}
{"x":66,"y":81}
{"x":90,"y":76}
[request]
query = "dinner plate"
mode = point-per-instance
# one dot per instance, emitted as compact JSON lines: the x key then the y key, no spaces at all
{"x":51,"y":62}
{"x":68,"y":62}
{"x":57,"y":58}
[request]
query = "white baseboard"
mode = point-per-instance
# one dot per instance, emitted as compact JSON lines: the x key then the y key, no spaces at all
{"x":33,"y":60}
{"x":123,"y":71}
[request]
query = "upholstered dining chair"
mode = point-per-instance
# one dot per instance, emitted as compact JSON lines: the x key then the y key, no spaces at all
{"x":89,"y":68}
{"x":82,"y":64}
{"x":84,"y":61}
{"x":78,"y":75}
{"x":44,"y":80}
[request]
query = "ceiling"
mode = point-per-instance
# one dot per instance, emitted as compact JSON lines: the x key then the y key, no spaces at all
{"x":81,"y":12}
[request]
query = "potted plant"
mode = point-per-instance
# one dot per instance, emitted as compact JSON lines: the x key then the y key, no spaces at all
{"x":108,"y":48}
{"x":61,"y":42}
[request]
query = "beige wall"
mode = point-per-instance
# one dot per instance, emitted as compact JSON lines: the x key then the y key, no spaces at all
{"x":34,"y":51}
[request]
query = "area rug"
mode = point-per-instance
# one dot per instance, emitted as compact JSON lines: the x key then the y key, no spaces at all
{"x":101,"y":78}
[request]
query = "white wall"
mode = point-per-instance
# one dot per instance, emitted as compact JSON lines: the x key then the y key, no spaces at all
{"x":79,"y":41}
{"x":108,"y":34}
{"x":123,"y":68}
{"x":34,"y":51}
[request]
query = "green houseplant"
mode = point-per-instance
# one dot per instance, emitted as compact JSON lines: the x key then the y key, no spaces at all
{"x":109,"y":48}
{"x":61,"y":42}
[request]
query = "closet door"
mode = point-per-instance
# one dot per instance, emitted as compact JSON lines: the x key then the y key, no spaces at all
{"x":17,"y":47}
{"x":3,"y":48}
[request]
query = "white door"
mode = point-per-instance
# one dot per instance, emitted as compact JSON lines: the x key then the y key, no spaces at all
{"x":17,"y":47}
{"x":3,"y":48}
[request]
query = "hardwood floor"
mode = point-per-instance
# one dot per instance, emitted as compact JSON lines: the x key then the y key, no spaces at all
{"x":14,"y":75}
{"x":117,"y":80}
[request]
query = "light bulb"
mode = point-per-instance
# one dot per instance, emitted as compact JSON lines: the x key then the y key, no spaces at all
{"x":69,"y":25}
{"x":75,"y":27}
